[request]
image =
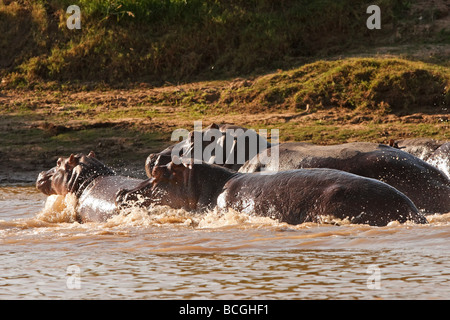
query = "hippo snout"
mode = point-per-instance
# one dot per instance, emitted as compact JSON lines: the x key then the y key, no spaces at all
{"x":156,"y":159}
{"x":44,"y":182}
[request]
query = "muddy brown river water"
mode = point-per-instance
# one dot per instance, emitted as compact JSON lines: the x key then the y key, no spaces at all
{"x":171,"y":254}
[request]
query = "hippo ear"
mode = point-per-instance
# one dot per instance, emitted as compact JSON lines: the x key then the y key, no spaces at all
{"x":181,"y":169}
{"x":393,"y":143}
{"x":213,"y":126}
{"x":73,"y":161}
{"x":92,"y":154}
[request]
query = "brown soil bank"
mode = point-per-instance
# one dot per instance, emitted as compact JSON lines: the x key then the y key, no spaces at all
{"x":355,"y":99}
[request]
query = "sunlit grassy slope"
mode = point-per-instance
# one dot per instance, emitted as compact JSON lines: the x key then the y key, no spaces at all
{"x":123,"y":41}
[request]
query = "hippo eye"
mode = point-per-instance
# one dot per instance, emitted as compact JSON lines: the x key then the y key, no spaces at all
{"x":58,"y":163}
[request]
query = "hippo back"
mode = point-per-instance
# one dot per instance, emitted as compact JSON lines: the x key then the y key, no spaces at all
{"x":419,"y":147}
{"x":427,"y":186}
{"x":307,"y":195}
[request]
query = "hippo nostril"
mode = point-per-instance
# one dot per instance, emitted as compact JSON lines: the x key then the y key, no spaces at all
{"x":41,"y":179}
{"x":44,"y":182}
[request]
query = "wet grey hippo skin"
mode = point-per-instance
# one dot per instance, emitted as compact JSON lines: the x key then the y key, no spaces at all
{"x":229,"y":157}
{"x":443,"y":152}
{"x":94,"y":184}
{"x":294,"y":196}
{"x":425,"y":185}
{"x":434,"y":152}
{"x":422,"y":148}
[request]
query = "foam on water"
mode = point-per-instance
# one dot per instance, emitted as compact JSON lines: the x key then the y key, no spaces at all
{"x":439,"y":219}
{"x":153,"y":216}
{"x":62,"y":209}
{"x":59,"y":209}
{"x":163,"y":215}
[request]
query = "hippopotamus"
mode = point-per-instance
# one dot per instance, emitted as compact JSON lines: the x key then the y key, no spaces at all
{"x":422,"y":148}
{"x":443,"y":152}
{"x":226,"y":145}
{"x":93,"y":183}
{"x":294,"y":197}
{"x":425,"y":185}
{"x":434,"y":152}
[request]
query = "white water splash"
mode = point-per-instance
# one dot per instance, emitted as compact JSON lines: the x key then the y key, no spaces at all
{"x":442,"y":163}
{"x":63,"y":209}
{"x":152,"y":216}
{"x":59,"y":209}
{"x":164,"y":215}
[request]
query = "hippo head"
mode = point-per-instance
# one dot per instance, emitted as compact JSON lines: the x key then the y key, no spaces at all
{"x":170,"y":184}
{"x":71,"y":175}
{"x":157,"y":159}
{"x":175,"y":185}
{"x":185,"y":148}
{"x":180,"y":184}
{"x":226,"y":145}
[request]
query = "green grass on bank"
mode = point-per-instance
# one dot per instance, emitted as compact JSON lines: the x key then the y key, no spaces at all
{"x":386,"y":85}
{"x":123,"y":41}
{"x":382,"y":85}
{"x":366,"y":99}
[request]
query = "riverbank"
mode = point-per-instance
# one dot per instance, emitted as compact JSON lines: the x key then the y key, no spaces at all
{"x":327,"y":102}
{"x":138,"y":70}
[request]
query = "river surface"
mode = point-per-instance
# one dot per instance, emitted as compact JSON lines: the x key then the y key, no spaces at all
{"x":171,"y":254}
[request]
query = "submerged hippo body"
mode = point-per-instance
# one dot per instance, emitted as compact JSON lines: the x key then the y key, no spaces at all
{"x":94,"y":184}
{"x":294,"y":196}
{"x":425,"y":185}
